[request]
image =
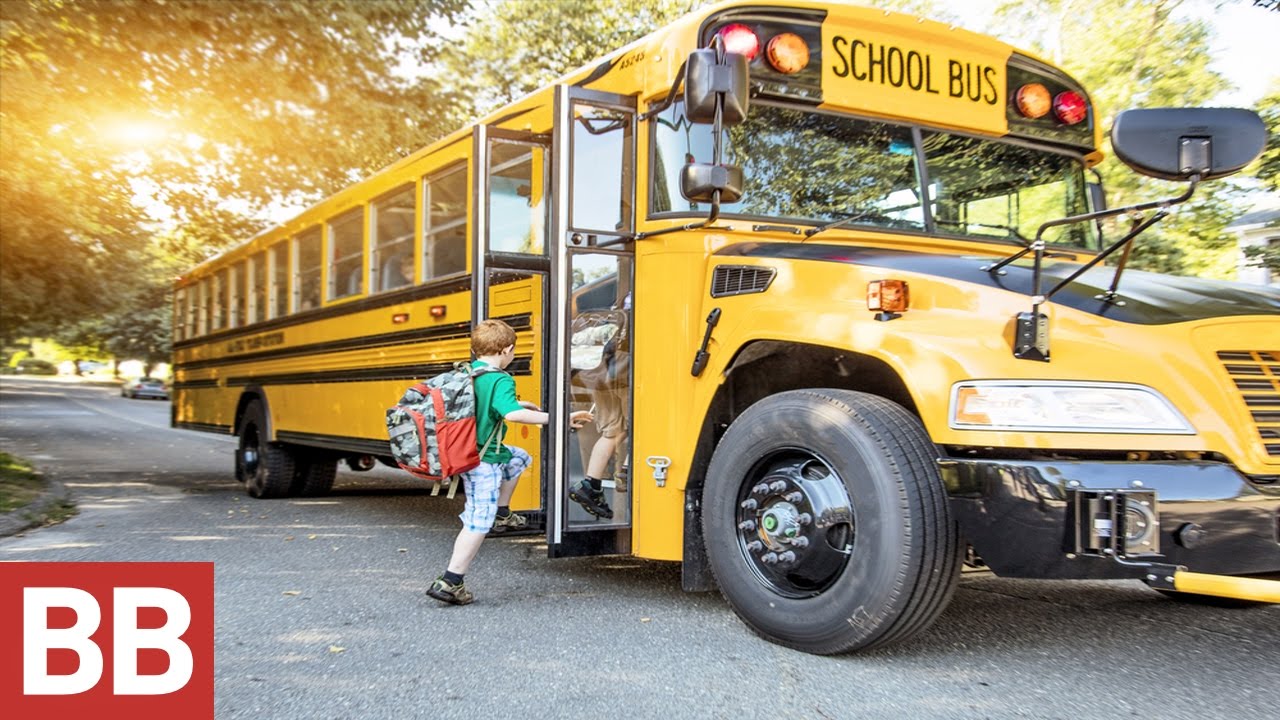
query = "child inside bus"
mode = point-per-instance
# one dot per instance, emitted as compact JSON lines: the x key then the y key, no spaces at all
{"x":490,"y":485}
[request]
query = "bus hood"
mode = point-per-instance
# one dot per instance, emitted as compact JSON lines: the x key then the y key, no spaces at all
{"x":1148,"y":298}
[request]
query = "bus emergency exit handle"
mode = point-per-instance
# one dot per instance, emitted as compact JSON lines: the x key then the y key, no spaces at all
{"x":702,"y":356}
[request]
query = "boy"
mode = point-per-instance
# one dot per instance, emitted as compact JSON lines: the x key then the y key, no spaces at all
{"x":490,"y":485}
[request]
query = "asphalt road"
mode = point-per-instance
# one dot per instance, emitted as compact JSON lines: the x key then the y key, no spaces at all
{"x":320,"y":612}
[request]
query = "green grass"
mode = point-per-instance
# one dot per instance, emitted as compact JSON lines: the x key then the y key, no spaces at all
{"x":19,"y":484}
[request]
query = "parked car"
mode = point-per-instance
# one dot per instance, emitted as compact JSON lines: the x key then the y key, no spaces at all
{"x":145,"y":387}
{"x":34,"y":366}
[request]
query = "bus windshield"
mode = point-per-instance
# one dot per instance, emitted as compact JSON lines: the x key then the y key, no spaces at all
{"x":810,"y":167}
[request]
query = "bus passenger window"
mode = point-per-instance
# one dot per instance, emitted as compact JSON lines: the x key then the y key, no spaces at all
{"x":257,"y":288}
{"x":204,"y":317}
{"x":306,"y":279}
{"x":218,"y":301}
{"x":517,"y":212}
{"x":346,"y":246}
{"x":180,"y":314}
{"x":279,"y":280}
{"x":238,"y":295}
{"x":392,"y":241}
{"x":445,"y":222}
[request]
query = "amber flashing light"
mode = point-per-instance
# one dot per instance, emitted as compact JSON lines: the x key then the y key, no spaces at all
{"x":788,"y":53}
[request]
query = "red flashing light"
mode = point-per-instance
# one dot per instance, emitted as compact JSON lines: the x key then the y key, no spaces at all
{"x":1070,"y":107}
{"x":739,"y":38}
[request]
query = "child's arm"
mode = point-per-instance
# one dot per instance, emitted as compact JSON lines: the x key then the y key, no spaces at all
{"x":537,"y":417}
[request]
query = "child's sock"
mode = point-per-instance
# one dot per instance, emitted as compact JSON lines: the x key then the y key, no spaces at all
{"x":503,"y":511}
{"x":452,"y":578}
{"x":595,"y":482}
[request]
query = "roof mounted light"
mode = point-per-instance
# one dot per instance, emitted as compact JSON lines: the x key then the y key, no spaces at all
{"x":1070,"y":107}
{"x":788,"y":53}
{"x":739,"y":38}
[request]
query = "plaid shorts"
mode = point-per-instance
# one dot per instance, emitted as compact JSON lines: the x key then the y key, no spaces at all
{"x":482,"y":485}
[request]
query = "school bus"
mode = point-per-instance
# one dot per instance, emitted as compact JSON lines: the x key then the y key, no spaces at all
{"x":868,"y":333}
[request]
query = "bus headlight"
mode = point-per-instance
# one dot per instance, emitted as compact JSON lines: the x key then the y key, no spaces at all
{"x":1063,"y":407}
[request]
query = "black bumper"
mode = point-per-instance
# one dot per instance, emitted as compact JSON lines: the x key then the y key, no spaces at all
{"x":1016,"y":515}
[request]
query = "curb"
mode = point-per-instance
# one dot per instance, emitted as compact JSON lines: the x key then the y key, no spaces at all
{"x":32,"y":514}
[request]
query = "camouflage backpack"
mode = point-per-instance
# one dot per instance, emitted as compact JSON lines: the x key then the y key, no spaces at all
{"x":433,"y":427}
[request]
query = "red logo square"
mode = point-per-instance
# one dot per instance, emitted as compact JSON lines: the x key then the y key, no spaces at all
{"x":119,"y":640}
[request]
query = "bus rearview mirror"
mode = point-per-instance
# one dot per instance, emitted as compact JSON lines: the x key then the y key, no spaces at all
{"x":706,"y":80}
{"x":1177,"y":143}
{"x":699,"y":182}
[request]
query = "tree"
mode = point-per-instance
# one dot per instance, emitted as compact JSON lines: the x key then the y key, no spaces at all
{"x":507,"y":54}
{"x":195,"y":107}
{"x":1268,"y":168}
{"x":1139,"y":53}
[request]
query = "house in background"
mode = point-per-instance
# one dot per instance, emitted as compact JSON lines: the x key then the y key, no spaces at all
{"x":1259,"y":227}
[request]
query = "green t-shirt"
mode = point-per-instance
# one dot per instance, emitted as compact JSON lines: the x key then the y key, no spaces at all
{"x":495,"y":397}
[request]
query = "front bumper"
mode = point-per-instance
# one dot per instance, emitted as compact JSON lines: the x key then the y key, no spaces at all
{"x":1017,"y":514}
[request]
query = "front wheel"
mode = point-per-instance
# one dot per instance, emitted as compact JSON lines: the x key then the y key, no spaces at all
{"x":826,"y":523}
{"x":266,"y":468}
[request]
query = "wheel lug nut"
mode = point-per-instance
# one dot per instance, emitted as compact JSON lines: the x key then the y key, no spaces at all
{"x":804,"y":518}
{"x":769,"y":558}
{"x":760,"y":489}
{"x":794,"y":497}
{"x":755,"y":546}
{"x":787,"y":557}
{"x":747,"y":525}
{"x":800,"y":542}
{"x":748,"y":504}
{"x":778,"y":486}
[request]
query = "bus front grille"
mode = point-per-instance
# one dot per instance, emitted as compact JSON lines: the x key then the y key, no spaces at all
{"x":1256,"y":374}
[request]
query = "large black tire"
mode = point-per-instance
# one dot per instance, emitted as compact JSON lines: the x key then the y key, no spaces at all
{"x":315,"y":475}
{"x":267,"y":469}
{"x":826,"y":522}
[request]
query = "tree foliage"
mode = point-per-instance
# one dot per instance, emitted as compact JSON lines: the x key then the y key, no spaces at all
{"x":1268,"y":168}
{"x":198,"y":106}
{"x":515,"y":47}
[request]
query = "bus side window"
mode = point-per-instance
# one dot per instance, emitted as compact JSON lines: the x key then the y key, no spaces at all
{"x":391,"y":261}
{"x":218,"y":301}
{"x":238,"y":295}
{"x":306,"y":278}
{"x":517,"y":199}
{"x":257,"y":288}
{"x":279,"y":271}
{"x":346,"y":254}
{"x":203,"y":313}
{"x":445,"y":222}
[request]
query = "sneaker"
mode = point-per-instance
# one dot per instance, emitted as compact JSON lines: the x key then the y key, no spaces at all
{"x":591,"y":500}
{"x":620,"y":479}
{"x":445,"y":591}
{"x":513,"y":521}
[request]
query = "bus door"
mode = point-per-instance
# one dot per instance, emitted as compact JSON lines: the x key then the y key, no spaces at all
{"x":510,"y":271}
{"x":589,"y":503}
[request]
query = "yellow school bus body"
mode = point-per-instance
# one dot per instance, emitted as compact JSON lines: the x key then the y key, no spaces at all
{"x":956,"y":329}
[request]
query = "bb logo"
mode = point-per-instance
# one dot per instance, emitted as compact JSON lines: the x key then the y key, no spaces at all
{"x":122,"y":640}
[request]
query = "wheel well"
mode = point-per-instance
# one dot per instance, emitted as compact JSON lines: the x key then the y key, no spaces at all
{"x":247,"y":397}
{"x":765,"y":368}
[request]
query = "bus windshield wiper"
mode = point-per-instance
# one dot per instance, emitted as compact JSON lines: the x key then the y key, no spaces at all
{"x":838,"y":223}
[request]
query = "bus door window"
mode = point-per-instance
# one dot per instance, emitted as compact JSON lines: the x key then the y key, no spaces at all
{"x":445,"y":222}
{"x":306,"y":279}
{"x":603,"y":142}
{"x":391,"y":259}
{"x":600,"y":381}
{"x":517,"y":198}
{"x":346,"y":250}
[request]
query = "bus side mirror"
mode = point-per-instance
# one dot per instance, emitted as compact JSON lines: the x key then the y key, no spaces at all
{"x":1097,"y":196}
{"x":700,"y":182}
{"x":707,"y":80}
{"x":1177,"y":143}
